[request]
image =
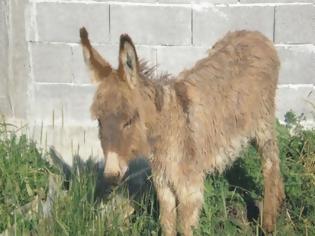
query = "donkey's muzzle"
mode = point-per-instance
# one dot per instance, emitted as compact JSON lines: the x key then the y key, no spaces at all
{"x":115,"y":168}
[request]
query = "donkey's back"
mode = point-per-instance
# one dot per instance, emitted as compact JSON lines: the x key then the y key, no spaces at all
{"x":231,"y":97}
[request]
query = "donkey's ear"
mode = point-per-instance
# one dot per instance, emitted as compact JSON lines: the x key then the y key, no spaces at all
{"x":128,"y":61}
{"x":98,"y":66}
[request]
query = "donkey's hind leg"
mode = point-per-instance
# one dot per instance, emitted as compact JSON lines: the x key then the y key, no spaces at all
{"x":190,"y":198}
{"x":273,"y":185}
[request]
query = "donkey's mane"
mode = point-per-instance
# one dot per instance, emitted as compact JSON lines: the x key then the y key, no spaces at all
{"x":150,"y":72}
{"x":152,"y":83}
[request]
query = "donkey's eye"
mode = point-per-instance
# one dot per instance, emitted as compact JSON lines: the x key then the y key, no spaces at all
{"x":131,"y":120}
{"x":127,"y":124}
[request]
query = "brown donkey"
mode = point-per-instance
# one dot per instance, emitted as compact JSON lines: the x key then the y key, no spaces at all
{"x":192,"y":125}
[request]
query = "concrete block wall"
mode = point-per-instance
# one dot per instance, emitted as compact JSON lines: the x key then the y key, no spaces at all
{"x":170,"y":33}
{"x":4,"y":98}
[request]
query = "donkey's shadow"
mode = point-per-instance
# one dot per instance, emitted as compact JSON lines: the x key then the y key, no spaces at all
{"x":239,"y":180}
{"x":138,"y":183}
{"x":136,"y":180}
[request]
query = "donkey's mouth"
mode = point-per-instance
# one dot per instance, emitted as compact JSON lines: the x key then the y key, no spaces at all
{"x":113,"y":180}
{"x":138,"y":175}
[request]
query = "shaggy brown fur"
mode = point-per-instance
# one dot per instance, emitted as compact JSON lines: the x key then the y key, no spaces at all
{"x":192,"y":125}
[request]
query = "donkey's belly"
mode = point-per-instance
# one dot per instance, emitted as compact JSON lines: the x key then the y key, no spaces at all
{"x":227,"y":154}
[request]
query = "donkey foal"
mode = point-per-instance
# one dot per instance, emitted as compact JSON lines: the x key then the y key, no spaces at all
{"x":191,"y":125}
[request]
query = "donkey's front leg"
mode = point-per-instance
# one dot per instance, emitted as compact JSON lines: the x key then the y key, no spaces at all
{"x":190,"y":198}
{"x":167,"y":202}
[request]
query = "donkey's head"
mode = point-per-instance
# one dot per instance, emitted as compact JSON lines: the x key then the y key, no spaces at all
{"x":117,"y":106}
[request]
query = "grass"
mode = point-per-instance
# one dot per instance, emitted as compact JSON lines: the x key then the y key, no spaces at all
{"x":231,"y":200}
{"x":23,"y":175}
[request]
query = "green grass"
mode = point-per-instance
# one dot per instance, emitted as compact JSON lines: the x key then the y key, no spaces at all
{"x":231,"y":200}
{"x":23,"y":175}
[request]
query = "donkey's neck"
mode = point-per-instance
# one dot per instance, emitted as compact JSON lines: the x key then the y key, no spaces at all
{"x":158,"y":97}
{"x":152,"y":98}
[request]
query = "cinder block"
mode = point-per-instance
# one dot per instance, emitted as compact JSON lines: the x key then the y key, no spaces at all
{"x":297,"y":64}
{"x":147,"y":53}
{"x":60,"y":22}
{"x":295,"y":24}
{"x":4,"y":46}
{"x":110,"y":54}
{"x":199,"y":1}
{"x":3,"y":83}
{"x":69,"y":141}
{"x":19,"y":57}
{"x":297,"y":99}
{"x":152,"y":25}
{"x":49,"y":103}
{"x":79,"y":103}
{"x":57,"y":103}
{"x":175,"y":59}
{"x":5,"y":108}
{"x":135,"y":1}
{"x":212,"y":23}
{"x":276,"y":1}
{"x":51,"y":63}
